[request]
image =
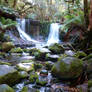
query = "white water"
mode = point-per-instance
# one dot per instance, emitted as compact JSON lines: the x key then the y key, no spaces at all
{"x":54,"y":34}
{"x":22,"y":31}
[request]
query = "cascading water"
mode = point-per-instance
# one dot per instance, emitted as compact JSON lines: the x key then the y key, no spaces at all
{"x":21,"y":29}
{"x":54,"y":34}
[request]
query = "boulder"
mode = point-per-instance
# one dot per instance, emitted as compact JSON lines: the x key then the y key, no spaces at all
{"x":7,"y":46}
{"x":56,"y":48}
{"x":68,"y":68}
{"x":9,"y":75}
{"x":6,"y":88}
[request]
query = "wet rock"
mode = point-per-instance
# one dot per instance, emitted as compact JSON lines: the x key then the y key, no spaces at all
{"x":7,"y":46}
{"x":53,"y":58}
{"x":25,"y":66}
{"x":68,"y":68}
{"x":56,"y":48}
{"x":69,"y":53}
{"x":6,"y":88}
{"x":9,"y":75}
{"x":44,"y":73}
{"x":16,"y":50}
{"x":23,"y":74}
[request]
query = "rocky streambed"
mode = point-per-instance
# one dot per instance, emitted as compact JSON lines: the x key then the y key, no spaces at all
{"x":55,"y":68}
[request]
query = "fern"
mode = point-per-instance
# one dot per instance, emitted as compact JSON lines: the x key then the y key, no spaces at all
{"x":6,"y":23}
{"x":77,"y":19}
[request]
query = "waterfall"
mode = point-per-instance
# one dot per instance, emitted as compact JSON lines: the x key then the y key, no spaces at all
{"x":21,"y":27}
{"x":54,"y":34}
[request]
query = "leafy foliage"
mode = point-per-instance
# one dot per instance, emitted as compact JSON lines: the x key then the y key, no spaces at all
{"x":6,"y":23}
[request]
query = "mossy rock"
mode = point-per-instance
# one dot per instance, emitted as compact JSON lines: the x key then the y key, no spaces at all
{"x":16,"y":50}
{"x":9,"y":75}
{"x":33,"y":50}
{"x":6,"y":88}
{"x":7,"y":46}
{"x":56,"y":48}
{"x":33,"y":77}
{"x":41,"y":83}
{"x":25,"y":89}
{"x":40,"y":55}
{"x":68,"y":68}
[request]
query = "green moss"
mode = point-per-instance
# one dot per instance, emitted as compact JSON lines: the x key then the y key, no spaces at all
{"x":71,"y":66}
{"x":26,"y":61}
{"x":80,"y":54}
{"x":7,"y":46}
{"x":26,"y":50}
{"x":56,"y":48}
{"x":4,"y":63}
{"x":42,"y":83}
{"x":25,"y":89}
{"x":40,"y":55}
{"x":48,"y":65}
{"x":10,"y":78}
{"x":33,"y":77}
{"x":37,"y":66}
{"x":16,"y":50}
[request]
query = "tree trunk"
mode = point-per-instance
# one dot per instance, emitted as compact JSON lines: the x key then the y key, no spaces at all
{"x":90,"y":17}
{"x":86,"y":13}
{"x":14,"y":3}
